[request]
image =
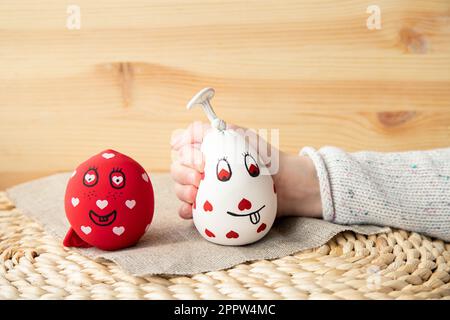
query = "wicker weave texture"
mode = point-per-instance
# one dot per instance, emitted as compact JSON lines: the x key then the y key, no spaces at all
{"x":396,"y":265}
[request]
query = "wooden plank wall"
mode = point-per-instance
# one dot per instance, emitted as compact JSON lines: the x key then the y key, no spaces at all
{"x":310,"y":68}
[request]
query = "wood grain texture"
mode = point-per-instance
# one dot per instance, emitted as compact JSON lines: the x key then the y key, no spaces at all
{"x":309,"y":68}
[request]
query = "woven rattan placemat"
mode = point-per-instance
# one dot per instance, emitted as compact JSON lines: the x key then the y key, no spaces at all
{"x":395,"y":265}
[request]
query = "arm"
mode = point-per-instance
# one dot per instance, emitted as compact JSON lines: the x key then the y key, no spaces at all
{"x":408,"y":190}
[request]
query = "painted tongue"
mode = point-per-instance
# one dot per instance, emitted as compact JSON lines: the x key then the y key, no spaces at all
{"x":255,"y":217}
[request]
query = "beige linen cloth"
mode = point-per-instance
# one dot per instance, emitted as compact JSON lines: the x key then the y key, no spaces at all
{"x":172,"y":245}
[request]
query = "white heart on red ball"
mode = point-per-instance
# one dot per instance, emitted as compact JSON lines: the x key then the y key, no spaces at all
{"x":108,"y":155}
{"x":130,"y":203}
{"x":86,"y":229}
{"x":102,"y":204}
{"x":117,"y":180}
{"x":75,"y":201}
{"x":118,"y":230}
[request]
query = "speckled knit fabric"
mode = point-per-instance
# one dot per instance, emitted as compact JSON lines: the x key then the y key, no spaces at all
{"x":408,"y":190}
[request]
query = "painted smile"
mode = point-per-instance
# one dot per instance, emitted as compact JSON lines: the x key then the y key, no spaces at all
{"x":254,"y":216}
{"x":104,"y":220}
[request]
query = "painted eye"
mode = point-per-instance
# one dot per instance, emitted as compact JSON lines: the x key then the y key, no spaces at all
{"x":117,"y":179}
{"x":90,"y":177}
{"x":223,"y":170}
{"x":251,"y":165}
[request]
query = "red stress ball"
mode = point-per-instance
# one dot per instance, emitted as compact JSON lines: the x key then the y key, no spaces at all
{"x":109,"y":202}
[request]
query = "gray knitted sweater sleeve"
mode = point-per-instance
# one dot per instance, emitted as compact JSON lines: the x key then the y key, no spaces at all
{"x":407,"y":190}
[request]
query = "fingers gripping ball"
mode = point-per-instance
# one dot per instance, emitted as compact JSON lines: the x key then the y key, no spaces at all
{"x":109,"y":202}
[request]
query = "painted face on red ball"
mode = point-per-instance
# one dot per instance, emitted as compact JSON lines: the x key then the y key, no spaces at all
{"x":109,"y":201}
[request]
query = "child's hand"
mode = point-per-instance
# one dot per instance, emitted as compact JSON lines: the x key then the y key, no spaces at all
{"x":296,"y":180}
{"x":187,"y":170}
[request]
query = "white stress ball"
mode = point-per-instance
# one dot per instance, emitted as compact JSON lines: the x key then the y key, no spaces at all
{"x":236,"y":201}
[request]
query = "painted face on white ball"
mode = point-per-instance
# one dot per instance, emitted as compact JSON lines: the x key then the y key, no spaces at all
{"x":236,"y":201}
